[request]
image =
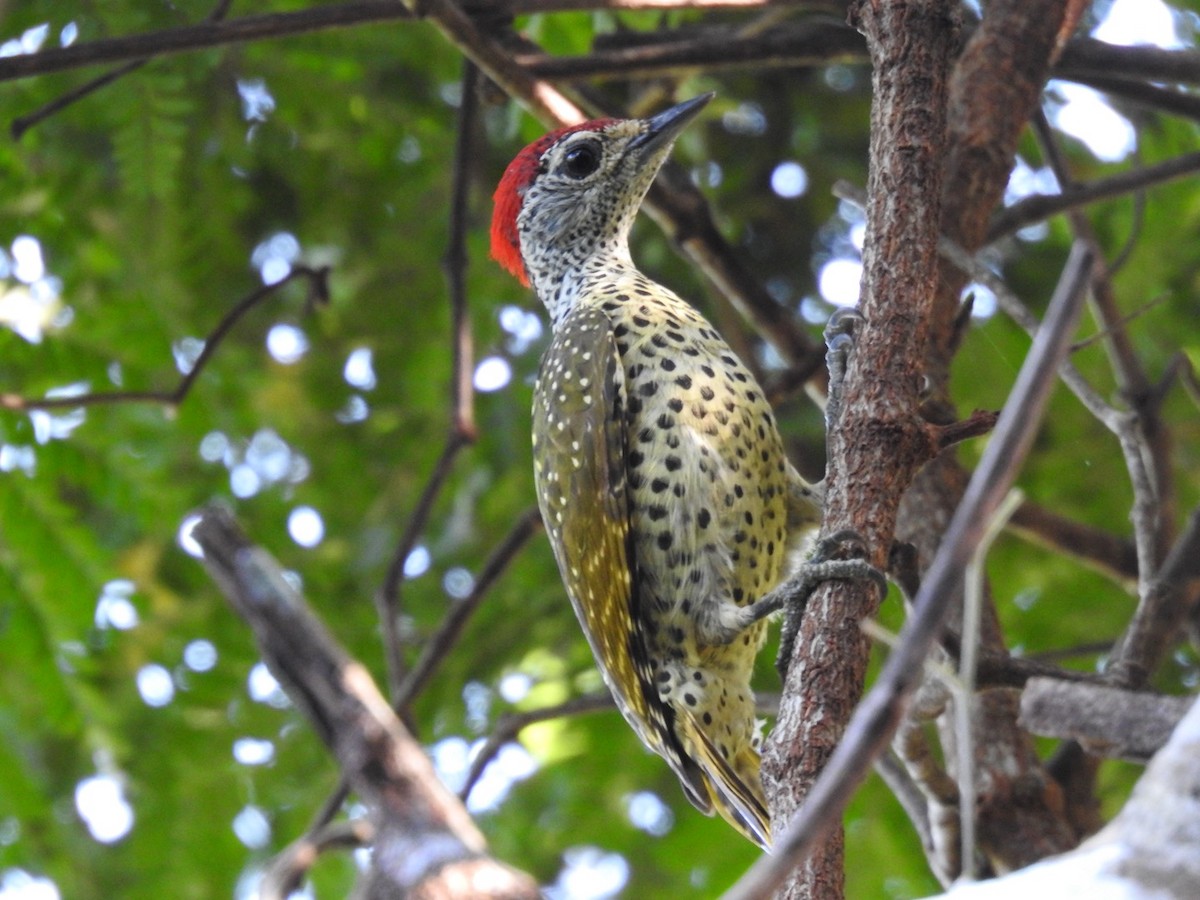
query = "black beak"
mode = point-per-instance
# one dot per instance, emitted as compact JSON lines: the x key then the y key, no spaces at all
{"x":663,"y":128}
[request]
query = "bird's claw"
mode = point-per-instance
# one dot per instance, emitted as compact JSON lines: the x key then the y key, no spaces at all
{"x":840,"y":333}
{"x":838,"y":557}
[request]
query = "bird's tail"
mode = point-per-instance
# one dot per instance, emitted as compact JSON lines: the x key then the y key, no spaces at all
{"x":736,"y":794}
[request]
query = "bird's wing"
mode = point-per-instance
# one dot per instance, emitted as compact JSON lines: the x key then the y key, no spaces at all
{"x":580,"y":434}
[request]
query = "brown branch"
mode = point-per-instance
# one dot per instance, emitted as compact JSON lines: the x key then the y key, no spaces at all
{"x":448,"y":633}
{"x":21,"y":124}
{"x":879,"y":714}
{"x":190,"y":38}
{"x":462,"y":431}
{"x":285,"y":872}
{"x":1107,"y":721}
{"x":878,"y":443}
{"x":1102,"y":551}
{"x":318,"y":293}
{"x":424,"y":837}
{"x":979,"y":423}
{"x":1039,"y":207}
{"x":1149,"y":96}
{"x":512,"y":724}
{"x":792,"y":45}
{"x":1087,"y":58}
{"x":454,"y":264}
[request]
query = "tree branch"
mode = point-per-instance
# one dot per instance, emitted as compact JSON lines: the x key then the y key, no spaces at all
{"x":318,"y":293}
{"x":425,"y":840}
{"x":1106,"y":720}
{"x":461,"y":430}
{"x":880,"y":711}
{"x":878,"y":442}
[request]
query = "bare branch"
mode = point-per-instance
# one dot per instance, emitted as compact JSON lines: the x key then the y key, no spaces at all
{"x":450,"y":630}
{"x":287,"y":869}
{"x":1162,"y":609}
{"x":1039,"y":207}
{"x":1106,"y":720}
{"x":21,"y":124}
{"x":512,"y":724}
{"x":424,"y":834}
{"x":318,"y":293}
{"x":880,"y":711}
{"x":462,"y":431}
{"x":877,"y":443}
{"x":1102,"y":551}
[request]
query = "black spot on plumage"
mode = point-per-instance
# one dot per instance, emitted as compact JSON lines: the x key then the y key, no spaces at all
{"x":684,"y":381}
{"x":667,"y":365}
{"x":674,"y":463}
{"x":658,"y":485}
{"x":665,"y":540}
{"x":675,"y":404}
{"x":648,"y":388}
{"x":665,"y":421}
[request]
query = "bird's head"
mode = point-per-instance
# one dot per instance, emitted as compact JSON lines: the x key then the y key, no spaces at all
{"x":572,"y":195}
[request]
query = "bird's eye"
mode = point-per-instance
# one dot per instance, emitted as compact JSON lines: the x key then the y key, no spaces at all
{"x":582,"y":161}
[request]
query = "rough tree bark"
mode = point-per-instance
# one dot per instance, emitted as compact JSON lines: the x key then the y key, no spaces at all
{"x":994,"y":89}
{"x":879,"y":443}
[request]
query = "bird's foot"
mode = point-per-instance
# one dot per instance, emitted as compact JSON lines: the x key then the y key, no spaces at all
{"x":840,"y":333}
{"x":838,"y":557}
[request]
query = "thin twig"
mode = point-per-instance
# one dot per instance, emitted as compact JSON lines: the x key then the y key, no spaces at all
{"x":963,"y":690}
{"x":21,"y":124}
{"x":318,"y":292}
{"x":438,"y":646}
{"x":881,"y":709}
{"x":1102,"y":551}
{"x":286,"y":870}
{"x":200,"y":36}
{"x":455,"y":261}
{"x":462,"y":432}
{"x":512,"y":724}
{"x":1144,"y":442}
{"x":1039,"y":207}
{"x":1161,"y":610}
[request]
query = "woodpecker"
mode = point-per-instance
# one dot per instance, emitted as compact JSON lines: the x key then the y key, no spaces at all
{"x":670,"y":505}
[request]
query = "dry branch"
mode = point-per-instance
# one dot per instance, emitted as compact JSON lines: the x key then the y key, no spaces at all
{"x":425,"y":842}
{"x":1106,"y":720}
{"x":880,"y":712}
{"x":318,"y":293}
{"x":878,"y":442}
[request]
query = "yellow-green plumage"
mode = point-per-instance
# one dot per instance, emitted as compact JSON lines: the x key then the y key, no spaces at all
{"x":660,"y":473}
